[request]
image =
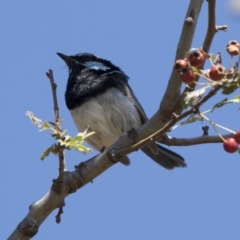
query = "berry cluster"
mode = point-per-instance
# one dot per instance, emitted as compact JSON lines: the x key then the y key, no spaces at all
{"x":196,"y":58}
{"x":191,"y":67}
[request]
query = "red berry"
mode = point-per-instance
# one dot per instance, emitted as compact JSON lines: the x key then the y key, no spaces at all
{"x":233,"y":48}
{"x":180,"y":64}
{"x":230,"y":145}
{"x":196,"y":58}
{"x":237,"y":137}
{"x":187,"y":75}
{"x":217,"y":72}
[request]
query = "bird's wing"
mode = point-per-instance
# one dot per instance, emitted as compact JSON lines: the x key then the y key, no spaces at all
{"x":142,"y":114}
{"x":159,"y":154}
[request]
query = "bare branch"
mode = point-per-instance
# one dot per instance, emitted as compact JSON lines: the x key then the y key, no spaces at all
{"x":221,"y":28}
{"x":193,"y":141}
{"x":54,"y":94}
{"x":211,"y":25}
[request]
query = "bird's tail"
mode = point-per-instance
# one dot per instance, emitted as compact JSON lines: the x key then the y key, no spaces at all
{"x":165,"y":157}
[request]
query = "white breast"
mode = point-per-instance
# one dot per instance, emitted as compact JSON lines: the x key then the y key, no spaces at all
{"x":110,"y":115}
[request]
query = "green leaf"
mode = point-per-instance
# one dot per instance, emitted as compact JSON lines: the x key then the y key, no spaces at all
{"x":233,"y":77}
{"x":67,"y":138}
{"x":220,"y":104}
{"x":229,"y":90}
{"x":85,"y":135}
{"x":196,"y":70}
{"x":35,"y":120}
{"x":212,"y":57}
{"x":78,"y":145}
{"x":47,"y":152}
{"x":225,"y":101}
{"x":77,"y":138}
{"x":76,"y":142}
{"x":45,"y":126}
{"x":64,"y":140}
{"x":83,"y":149}
{"x":65,"y":131}
{"x":235,"y":99}
{"x":63,"y":143}
{"x":192,"y":98}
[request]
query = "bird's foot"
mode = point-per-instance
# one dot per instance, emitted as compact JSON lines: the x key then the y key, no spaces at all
{"x":132,"y":134}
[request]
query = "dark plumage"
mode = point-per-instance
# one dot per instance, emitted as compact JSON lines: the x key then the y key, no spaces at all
{"x":98,"y":95}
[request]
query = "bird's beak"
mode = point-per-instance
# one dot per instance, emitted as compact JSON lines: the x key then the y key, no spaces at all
{"x":68,"y":60}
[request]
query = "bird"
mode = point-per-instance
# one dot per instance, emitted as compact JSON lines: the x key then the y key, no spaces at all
{"x":99,"y":96}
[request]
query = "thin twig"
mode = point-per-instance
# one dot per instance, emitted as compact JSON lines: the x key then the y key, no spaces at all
{"x":61,"y":157}
{"x":60,"y":212}
{"x":54,"y":94}
{"x":216,"y":124}
{"x":221,"y":28}
{"x":213,"y":125}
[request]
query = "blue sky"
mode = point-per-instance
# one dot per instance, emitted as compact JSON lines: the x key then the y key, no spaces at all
{"x":143,"y":201}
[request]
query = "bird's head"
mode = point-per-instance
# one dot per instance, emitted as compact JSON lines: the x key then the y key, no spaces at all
{"x":88,"y":61}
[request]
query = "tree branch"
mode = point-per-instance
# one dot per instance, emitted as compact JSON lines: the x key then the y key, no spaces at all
{"x":172,"y":93}
{"x":211,"y":26}
{"x":193,"y":141}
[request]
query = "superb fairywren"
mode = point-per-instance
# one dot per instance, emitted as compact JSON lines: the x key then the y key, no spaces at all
{"x":98,"y":96}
